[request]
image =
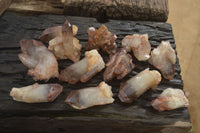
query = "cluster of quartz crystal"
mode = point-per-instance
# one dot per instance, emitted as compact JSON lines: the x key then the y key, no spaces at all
{"x":42,"y":64}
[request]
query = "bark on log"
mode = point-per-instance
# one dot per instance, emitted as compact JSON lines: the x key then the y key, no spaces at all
{"x":155,"y":10}
{"x":4,"y":4}
{"x":151,"y":10}
{"x":138,"y":116}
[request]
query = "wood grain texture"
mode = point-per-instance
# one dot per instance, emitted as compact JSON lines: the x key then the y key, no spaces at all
{"x":37,"y":6}
{"x":4,"y":4}
{"x":156,"y":10}
{"x":13,"y":73}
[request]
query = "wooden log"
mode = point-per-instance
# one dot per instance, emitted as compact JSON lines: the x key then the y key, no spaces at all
{"x":155,"y":10}
{"x":58,"y":116}
{"x":37,"y":6}
{"x":152,"y":10}
{"x":4,"y":4}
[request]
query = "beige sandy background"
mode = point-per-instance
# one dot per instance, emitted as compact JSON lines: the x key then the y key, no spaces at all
{"x":184,"y":15}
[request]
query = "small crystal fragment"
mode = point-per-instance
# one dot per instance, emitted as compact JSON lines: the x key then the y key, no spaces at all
{"x":163,"y":58}
{"x":84,"y":69}
{"x":101,"y":38}
{"x":170,"y":99}
{"x":139,"y":84}
{"x":119,"y":65}
{"x":62,"y":41}
{"x":92,"y":96}
{"x":36,"y":93}
{"x":41,"y":62}
{"x":139,"y":44}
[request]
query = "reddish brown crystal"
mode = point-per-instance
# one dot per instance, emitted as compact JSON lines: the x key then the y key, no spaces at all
{"x":119,"y":65}
{"x":101,"y":38}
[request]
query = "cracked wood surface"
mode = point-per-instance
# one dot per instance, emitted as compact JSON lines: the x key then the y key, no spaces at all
{"x":155,"y":10}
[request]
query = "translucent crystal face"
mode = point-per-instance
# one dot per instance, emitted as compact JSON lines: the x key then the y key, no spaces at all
{"x":84,"y":69}
{"x":41,"y":62}
{"x":88,"y":97}
{"x":36,"y":93}
{"x":139,"y":84}
{"x":139,"y":44}
{"x":62,"y":41}
{"x":163,"y":58}
{"x":170,"y":99}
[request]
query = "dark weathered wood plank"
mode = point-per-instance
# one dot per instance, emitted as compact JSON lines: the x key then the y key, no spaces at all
{"x":86,"y":124}
{"x":13,"y":73}
{"x":156,"y":10}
